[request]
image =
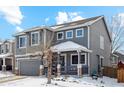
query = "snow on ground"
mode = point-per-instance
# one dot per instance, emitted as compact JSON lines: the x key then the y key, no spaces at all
{"x":71,"y":81}
{"x":5,"y":74}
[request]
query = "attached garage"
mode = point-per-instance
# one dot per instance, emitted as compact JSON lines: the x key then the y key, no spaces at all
{"x":29,"y":67}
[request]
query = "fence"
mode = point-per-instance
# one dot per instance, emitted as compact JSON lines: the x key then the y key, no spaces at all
{"x":120,"y":75}
{"x":110,"y":72}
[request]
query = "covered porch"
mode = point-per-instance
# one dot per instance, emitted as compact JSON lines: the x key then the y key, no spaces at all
{"x":6,"y":63}
{"x":71,"y":57}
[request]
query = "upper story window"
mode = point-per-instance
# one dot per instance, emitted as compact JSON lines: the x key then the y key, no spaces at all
{"x":35,"y":38}
{"x":7,"y":47}
{"x":60,"y":35}
{"x":22,"y":41}
{"x":79,"y":32}
{"x":1,"y":49}
{"x":101,"y":42}
{"x":69,"y":34}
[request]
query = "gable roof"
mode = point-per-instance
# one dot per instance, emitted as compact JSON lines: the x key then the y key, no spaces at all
{"x":81,"y":23}
{"x":87,"y":21}
{"x":32,"y":29}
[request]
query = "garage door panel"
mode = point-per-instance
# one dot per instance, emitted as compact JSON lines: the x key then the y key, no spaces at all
{"x":29,"y":67}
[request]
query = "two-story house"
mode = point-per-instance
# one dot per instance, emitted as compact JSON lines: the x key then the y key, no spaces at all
{"x":86,"y":43}
{"x":7,"y":60}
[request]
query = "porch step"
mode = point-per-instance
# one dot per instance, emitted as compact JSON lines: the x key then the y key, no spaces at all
{"x":11,"y":78}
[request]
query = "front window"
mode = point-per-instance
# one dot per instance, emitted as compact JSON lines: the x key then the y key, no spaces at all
{"x":34,"y":38}
{"x":60,"y":36}
{"x":82,"y":59}
{"x":69,"y":34}
{"x":74,"y":59}
{"x":79,"y":32}
{"x":22,"y":41}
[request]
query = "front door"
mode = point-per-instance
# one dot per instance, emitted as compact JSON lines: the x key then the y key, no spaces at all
{"x":63,"y":62}
{"x":100,"y":64}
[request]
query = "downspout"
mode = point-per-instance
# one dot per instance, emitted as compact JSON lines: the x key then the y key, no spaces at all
{"x":88,"y":45}
{"x":44,"y":38}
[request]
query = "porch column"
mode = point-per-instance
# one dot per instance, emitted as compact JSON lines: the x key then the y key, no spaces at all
{"x":4,"y":65}
{"x":79,"y":66}
{"x":41,"y":70}
{"x":58,"y":65}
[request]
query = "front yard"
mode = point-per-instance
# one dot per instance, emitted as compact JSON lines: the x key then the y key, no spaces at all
{"x":70,"y":81}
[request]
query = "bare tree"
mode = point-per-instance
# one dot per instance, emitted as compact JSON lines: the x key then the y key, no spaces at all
{"x":48,"y":55}
{"x":117,"y":30}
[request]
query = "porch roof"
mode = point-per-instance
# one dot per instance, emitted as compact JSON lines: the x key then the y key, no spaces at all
{"x":5,"y":55}
{"x":69,"y":46}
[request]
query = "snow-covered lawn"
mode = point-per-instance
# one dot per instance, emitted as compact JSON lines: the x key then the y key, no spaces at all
{"x":70,"y":81}
{"x":5,"y":74}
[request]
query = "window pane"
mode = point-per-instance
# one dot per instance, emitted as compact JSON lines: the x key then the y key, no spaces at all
{"x":69,"y":34}
{"x":22,"y":41}
{"x":74,"y":59}
{"x":35,"y":38}
{"x":7,"y":48}
{"x":60,"y":35}
{"x":79,"y":32}
{"x":82,"y":59}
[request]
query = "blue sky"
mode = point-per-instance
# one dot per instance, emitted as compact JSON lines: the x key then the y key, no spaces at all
{"x":20,"y":18}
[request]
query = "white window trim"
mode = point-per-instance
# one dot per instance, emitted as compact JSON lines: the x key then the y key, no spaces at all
{"x":62,"y":35}
{"x":67,"y":32}
{"x":38,"y":38}
{"x":25,"y":41}
{"x":102,"y":47}
{"x":77,"y":55}
{"x":82,"y":32}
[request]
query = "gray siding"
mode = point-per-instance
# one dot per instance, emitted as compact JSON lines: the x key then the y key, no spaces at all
{"x":19,"y":51}
{"x":36,"y":48}
{"x":96,"y":30}
{"x":33,"y":49}
{"x":79,"y":40}
{"x":29,"y":48}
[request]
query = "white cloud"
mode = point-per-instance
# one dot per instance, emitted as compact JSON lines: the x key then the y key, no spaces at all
{"x":64,"y":17}
{"x":18,"y":29}
{"x":11,"y":14}
{"x":47,"y":19}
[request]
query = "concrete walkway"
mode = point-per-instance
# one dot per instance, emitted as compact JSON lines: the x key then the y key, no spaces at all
{"x":11,"y":78}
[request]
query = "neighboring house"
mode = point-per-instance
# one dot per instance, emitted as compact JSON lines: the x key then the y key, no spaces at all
{"x":118,"y":56}
{"x":7,"y":60}
{"x":29,"y":46}
{"x":85,"y":42}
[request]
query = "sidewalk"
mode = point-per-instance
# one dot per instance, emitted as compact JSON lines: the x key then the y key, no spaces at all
{"x":11,"y":78}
